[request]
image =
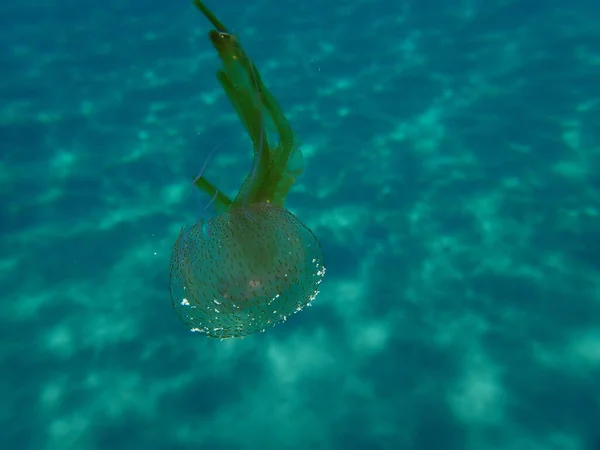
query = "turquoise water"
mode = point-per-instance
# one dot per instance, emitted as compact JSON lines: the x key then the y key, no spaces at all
{"x":452,"y":176}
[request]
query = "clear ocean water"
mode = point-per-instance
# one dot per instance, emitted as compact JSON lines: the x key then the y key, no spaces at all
{"x":452,"y":176}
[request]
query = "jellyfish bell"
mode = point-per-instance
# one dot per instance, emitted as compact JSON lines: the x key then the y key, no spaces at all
{"x":244,"y":271}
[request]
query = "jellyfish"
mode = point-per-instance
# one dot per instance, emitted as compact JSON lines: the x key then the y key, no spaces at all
{"x":255,"y":263}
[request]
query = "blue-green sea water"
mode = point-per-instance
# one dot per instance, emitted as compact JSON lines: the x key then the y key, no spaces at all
{"x":452,"y":154}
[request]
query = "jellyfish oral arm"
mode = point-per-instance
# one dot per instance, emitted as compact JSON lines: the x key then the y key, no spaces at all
{"x":276,"y":165}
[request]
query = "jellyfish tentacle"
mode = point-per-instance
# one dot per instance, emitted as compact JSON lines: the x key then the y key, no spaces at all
{"x":222,"y":201}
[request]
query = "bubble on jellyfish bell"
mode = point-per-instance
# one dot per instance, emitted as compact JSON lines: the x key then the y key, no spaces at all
{"x":244,"y":271}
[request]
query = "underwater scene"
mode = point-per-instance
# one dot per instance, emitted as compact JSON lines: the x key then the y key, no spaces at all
{"x":300,"y":225}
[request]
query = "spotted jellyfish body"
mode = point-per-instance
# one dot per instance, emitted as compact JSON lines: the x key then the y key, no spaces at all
{"x":244,"y":270}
